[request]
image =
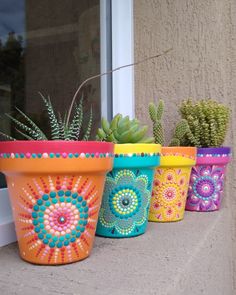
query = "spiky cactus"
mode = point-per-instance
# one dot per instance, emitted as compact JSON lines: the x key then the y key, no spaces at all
{"x":180,"y":131}
{"x":123,"y":130}
{"x":155,"y":113}
{"x":59,"y":129}
{"x":208,"y":122}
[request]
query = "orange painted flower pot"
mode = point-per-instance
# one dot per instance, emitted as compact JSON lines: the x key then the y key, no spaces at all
{"x":171,"y":184}
{"x":55,"y":189}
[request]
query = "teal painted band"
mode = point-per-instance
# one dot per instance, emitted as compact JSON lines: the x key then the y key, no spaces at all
{"x":137,"y":162}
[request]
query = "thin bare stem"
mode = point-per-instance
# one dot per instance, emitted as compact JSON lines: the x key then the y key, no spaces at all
{"x":106,"y":73}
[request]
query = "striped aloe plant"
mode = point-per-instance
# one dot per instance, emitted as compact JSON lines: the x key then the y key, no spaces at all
{"x":60,"y":129}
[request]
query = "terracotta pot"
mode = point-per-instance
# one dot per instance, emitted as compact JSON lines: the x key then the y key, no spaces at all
{"x":207,"y":179}
{"x":55,"y":190}
{"x":127,"y":193}
{"x":171,"y":184}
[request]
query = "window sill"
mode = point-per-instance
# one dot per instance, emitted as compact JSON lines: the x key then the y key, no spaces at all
{"x":193,"y":256}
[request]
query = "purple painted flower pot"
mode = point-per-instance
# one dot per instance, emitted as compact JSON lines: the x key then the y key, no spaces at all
{"x":207,"y":179}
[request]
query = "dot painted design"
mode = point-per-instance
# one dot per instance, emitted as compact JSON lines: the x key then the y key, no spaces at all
{"x":125,"y":201}
{"x":125,"y":204}
{"x":63,"y":155}
{"x":63,"y":218}
{"x":169,"y":194}
{"x":206,"y":188}
{"x":55,"y":216}
{"x":72,"y":155}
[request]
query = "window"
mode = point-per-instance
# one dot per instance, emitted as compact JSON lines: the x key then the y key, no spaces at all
{"x":51,"y":46}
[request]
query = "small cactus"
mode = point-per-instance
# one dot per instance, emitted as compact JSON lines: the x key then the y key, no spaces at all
{"x":123,"y":130}
{"x":208,"y":122}
{"x":180,"y":131}
{"x":156,"y":113}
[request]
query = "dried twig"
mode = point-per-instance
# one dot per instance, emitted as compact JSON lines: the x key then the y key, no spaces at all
{"x":107,"y":73}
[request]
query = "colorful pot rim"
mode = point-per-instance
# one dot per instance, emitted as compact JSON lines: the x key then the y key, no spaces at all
{"x":213,"y":156}
{"x":219,"y":151}
{"x":55,"y":147}
{"x":178,"y":156}
{"x":137,"y":148}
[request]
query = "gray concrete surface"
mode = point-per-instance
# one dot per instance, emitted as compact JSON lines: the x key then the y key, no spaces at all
{"x":189,"y":257}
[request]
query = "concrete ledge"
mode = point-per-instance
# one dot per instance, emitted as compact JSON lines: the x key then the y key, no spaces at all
{"x":188,"y":257}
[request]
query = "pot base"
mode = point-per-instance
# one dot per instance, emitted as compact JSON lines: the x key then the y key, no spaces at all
{"x":112,"y":236}
{"x":53,"y":264}
{"x":165,"y":221}
{"x":200,"y":210}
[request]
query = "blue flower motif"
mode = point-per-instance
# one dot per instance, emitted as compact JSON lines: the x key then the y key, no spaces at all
{"x":125,"y":202}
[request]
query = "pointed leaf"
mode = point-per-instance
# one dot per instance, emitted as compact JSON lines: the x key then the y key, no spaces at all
{"x":33,"y":125}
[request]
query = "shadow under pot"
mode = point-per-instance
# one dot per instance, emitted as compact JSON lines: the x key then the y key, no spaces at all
{"x":127,"y":193}
{"x":171,"y":183}
{"x":207,"y":179}
{"x":55,"y":190}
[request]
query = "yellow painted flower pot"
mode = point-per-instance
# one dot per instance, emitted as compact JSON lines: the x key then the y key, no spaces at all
{"x":171,"y":183}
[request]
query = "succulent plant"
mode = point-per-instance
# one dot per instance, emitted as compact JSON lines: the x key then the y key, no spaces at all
{"x":208,"y":122}
{"x":123,"y":130}
{"x":60,"y":130}
{"x":156,"y":113}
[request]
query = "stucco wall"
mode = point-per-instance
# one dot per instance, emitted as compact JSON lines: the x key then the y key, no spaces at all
{"x":202,"y":64}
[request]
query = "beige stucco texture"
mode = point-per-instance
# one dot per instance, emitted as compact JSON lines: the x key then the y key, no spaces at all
{"x":202,"y":61}
{"x":202,"y":64}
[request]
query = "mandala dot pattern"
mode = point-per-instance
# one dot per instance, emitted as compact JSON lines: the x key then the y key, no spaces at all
{"x":169,"y":194}
{"x":125,"y":204}
{"x":206,"y":188}
{"x":63,"y":218}
{"x":55,"y":218}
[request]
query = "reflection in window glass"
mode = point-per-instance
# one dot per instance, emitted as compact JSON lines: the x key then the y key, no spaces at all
{"x":51,"y":47}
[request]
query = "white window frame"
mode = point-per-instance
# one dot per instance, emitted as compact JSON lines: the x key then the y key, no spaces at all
{"x":117,"y":99}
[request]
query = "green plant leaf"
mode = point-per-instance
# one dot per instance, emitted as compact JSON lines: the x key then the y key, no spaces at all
{"x":89,"y":127}
{"x":41,"y":135}
{"x":55,"y":130}
{"x":24,"y":127}
{"x":61,"y":124}
{"x":24,"y":135}
{"x":76,"y":124}
{"x":8,"y":137}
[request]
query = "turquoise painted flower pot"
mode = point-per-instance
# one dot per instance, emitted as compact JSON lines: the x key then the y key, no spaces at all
{"x":127,"y":194}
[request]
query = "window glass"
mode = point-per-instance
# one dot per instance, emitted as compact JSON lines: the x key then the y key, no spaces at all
{"x":48,"y":47}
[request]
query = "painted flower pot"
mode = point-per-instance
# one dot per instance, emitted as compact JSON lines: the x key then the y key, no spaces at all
{"x":55,"y":190}
{"x":171,"y":182}
{"x":127,"y":193}
{"x":207,"y":179}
